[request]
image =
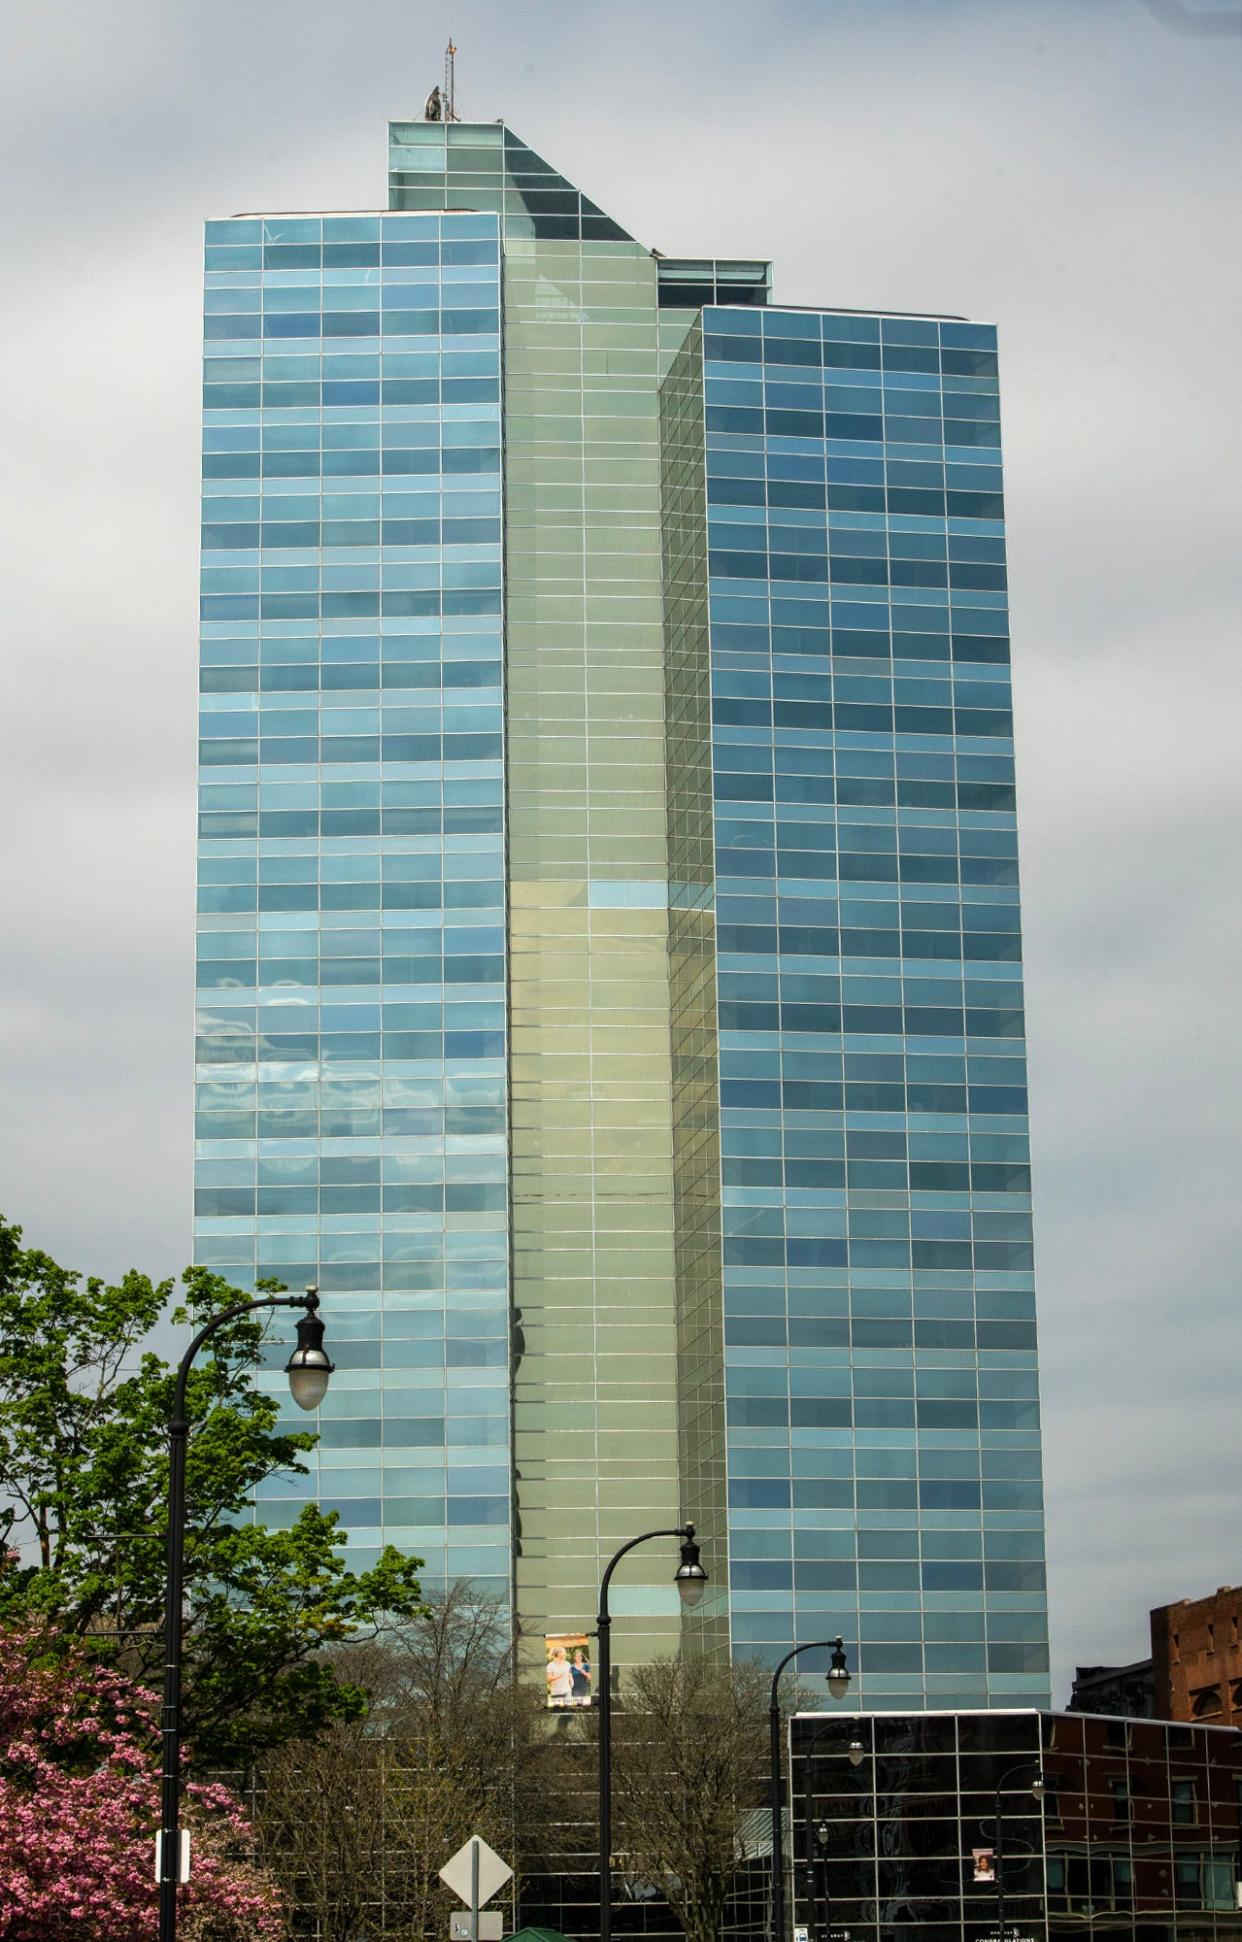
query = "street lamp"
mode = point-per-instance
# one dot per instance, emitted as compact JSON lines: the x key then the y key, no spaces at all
{"x":838,"y":1673}
{"x":308,"y":1369}
{"x":1035,"y":1784}
{"x":690,"y":1579}
{"x":817,"y":1832}
{"x":838,"y":1685}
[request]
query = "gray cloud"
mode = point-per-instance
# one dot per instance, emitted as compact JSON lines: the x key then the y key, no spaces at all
{"x":1068,"y":170}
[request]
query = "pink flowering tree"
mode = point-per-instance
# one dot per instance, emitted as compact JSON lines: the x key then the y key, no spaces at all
{"x":79,"y":1806}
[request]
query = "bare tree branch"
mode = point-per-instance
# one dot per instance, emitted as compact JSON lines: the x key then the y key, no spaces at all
{"x":690,"y":1760}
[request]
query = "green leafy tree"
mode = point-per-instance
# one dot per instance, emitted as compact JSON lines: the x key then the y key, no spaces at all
{"x":84,"y":1409}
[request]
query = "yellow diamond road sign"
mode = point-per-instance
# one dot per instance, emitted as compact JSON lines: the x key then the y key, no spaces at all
{"x":458,"y":1873}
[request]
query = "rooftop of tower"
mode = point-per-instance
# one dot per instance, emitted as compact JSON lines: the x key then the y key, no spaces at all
{"x":484,"y":168}
{"x":496,"y":171}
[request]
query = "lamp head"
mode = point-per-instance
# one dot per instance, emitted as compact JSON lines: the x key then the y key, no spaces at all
{"x":309,"y":1366}
{"x":838,"y":1672}
{"x":690,"y":1578}
{"x":1037,"y":1786}
{"x":856,"y":1753}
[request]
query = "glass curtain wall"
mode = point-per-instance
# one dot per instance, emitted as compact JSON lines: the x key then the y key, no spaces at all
{"x":594,"y":1222}
{"x":884,"y":1464}
{"x":1136,"y":1832}
{"x":610,"y":960}
{"x":352,"y":1125}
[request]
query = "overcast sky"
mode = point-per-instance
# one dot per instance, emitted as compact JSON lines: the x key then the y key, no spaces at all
{"x":1068,"y":170}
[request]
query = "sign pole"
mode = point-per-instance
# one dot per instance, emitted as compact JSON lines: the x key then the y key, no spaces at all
{"x":474,"y":1874}
{"x":474,"y":1892}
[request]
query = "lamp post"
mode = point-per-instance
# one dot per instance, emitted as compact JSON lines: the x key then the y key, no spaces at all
{"x":308,"y":1369}
{"x":690,"y":1579}
{"x":1036,"y":1785}
{"x":838,"y":1686}
{"x":817,"y":1833}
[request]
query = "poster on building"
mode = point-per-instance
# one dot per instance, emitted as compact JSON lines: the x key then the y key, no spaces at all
{"x":985,"y":1864}
{"x":569,"y":1670}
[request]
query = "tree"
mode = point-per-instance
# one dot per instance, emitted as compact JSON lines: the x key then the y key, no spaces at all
{"x":357,"y":1825}
{"x":690,"y":1760}
{"x":84,"y":1409}
{"x":79,"y":1803}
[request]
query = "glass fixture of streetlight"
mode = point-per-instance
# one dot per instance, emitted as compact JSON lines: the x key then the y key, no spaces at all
{"x":838,"y":1672}
{"x":856,"y":1753}
{"x":309,"y":1366}
{"x":690,"y":1577}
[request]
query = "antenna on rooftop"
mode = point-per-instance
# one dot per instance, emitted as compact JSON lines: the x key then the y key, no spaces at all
{"x":450,"y":82}
{"x":440,"y":104}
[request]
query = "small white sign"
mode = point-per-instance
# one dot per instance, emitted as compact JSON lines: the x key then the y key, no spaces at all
{"x":458,"y":1872}
{"x":802,"y":1935}
{"x":183,"y":1872}
{"x":491,"y":1927}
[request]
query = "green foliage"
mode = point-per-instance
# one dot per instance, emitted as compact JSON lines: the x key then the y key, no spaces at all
{"x":84,"y":1410}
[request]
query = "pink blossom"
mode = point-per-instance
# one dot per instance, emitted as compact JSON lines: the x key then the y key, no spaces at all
{"x":79,"y":1807}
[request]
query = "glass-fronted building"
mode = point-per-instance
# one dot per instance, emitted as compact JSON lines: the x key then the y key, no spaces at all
{"x":945,"y":1827}
{"x":352,"y":1116}
{"x":609,"y":958}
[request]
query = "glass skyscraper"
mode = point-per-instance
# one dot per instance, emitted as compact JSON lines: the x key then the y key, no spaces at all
{"x":609,"y":969}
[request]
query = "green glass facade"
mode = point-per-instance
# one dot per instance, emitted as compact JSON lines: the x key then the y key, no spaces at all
{"x":605,"y":738}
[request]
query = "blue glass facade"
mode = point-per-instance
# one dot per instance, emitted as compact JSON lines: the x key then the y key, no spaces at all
{"x":884,"y":1467}
{"x":351,"y":1115}
{"x":609,"y":973}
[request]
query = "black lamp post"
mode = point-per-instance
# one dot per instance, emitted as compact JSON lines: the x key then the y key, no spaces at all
{"x":690,"y":1579}
{"x":308,"y":1369}
{"x":817,"y":1831}
{"x":838,"y":1686}
{"x":1036,"y":1785}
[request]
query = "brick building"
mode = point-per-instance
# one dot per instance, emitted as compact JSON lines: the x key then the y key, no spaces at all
{"x":1197,"y":1658}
